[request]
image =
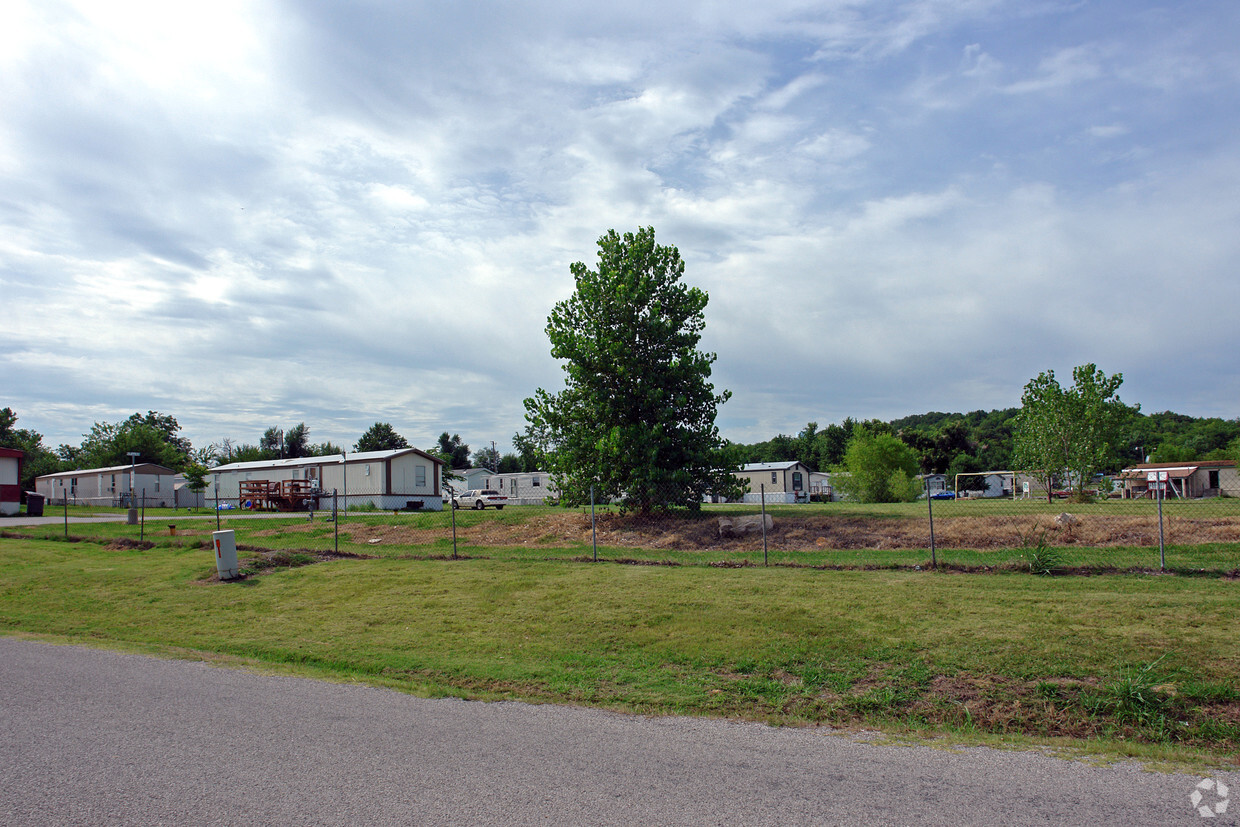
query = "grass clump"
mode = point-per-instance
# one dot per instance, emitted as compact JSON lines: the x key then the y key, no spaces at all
{"x":1040,"y":556}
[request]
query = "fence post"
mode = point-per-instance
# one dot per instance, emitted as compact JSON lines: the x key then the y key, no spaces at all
{"x":66,"y":517}
{"x":142,"y":519}
{"x":217,"y":503}
{"x":335,"y":523}
{"x":762,"y":490}
{"x":593,"y":529}
{"x":934,"y":563}
{"x":452,"y":508}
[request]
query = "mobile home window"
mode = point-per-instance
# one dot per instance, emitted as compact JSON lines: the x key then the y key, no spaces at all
{"x":536,"y":482}
{"x":774,"y":477}
{"x":419,"y":475}
{"x":796,"y":480}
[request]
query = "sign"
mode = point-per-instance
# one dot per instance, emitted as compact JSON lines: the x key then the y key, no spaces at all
{"x":1157,"y":480}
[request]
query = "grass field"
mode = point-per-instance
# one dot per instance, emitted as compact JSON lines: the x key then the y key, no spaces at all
{"x":1130,"y":664}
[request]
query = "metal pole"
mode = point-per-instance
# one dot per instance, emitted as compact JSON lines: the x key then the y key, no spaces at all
{"x":934,"y":563}
{"x":593,"y":528}
{"x":335,"y":522}
{"x":217,"y":503}
{"x":1162,"y":549}
{"x":345,"y":475}
{"x":142,"y":519}
{"x":762,"y":489}
{"x":66,"y":517}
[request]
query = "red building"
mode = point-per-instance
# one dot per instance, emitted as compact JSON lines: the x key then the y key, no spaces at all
{"x":10,"y":481}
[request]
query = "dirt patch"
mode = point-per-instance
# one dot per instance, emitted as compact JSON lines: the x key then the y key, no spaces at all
{"x":266,"y":561}
{"x":793,"y":533}
{"x":126,"y":543}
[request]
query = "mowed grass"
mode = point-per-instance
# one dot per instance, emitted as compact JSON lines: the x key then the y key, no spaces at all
{"x":1136,"y":662}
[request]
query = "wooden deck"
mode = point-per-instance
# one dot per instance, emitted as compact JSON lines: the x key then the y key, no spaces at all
{"x":277,"y":495}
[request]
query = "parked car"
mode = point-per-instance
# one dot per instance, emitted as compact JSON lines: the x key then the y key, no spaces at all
{"x":479,"y":499}
{"x":943,"y":495}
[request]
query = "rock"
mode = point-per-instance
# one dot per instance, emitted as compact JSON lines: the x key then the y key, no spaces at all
{"x":746,"y":524}
{"x":1066,"y":519}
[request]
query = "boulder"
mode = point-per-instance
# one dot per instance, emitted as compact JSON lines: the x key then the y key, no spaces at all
{"x":1066,"y":519}
{"x":744,"y":524}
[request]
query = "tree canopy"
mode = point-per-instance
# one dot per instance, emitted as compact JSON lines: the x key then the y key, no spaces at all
{"x":877,"y":468}
{"x":452,"y":451}
{"x":380,"y":437}
{"x":154,"y":437}
{"x":636,"y":418}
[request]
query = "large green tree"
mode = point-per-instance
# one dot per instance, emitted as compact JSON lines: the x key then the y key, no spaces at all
{"x":636,"y":418}
{"x":1066,"y":435}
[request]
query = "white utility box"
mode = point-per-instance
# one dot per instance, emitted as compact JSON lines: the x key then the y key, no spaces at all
{"x":225,"y":543}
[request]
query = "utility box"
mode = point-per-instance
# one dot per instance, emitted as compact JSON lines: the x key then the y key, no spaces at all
{"x":34,"y":504}
{"x":225,"y":543}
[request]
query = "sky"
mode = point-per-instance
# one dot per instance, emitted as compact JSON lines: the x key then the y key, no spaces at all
{"x":258,"y":213}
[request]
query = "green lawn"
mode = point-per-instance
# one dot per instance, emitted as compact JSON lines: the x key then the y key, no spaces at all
{"x":975,"y":655}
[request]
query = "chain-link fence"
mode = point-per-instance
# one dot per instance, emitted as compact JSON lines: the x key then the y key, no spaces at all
{"x":1159,"y":524}
{"x":1162,"y":527}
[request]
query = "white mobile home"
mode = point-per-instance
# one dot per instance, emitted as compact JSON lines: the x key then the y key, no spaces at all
{"x":526,"y":488}
{"x":405,"y":478}
{"x":110,"y":486}
{"x":470,"y":478}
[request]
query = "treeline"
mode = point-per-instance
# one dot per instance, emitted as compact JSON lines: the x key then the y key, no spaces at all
{"x":949,"y":443}
{"x":960,"y":443}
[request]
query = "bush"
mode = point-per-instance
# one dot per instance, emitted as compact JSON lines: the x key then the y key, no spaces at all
{"x":878,"y":468}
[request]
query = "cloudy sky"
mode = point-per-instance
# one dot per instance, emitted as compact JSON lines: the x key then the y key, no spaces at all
{"x":264,"y":212}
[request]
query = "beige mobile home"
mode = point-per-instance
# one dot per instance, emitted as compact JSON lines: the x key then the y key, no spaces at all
{"x":404,"y":478}
{"x":782,"y":482}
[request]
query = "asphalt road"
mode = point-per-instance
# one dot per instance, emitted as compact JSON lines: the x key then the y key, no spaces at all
{"x":99,"y":738}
